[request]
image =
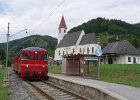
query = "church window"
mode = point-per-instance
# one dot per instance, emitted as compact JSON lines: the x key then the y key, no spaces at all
{"x":80,"y":50}
{"x":83,"y":50}
{"x":66,"y":52}
{"x":63,"y":52}
{"x":73,"y":50}
{"x":87,"y":49}
{"x":59,"y":30}
{"x":64,"y":31}
{"x":92,"y":49}
{"x":59,"y":53}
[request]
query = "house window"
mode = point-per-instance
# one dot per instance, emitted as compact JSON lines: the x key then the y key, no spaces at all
{"x":129,"y":59}
{"x":59,"y":53}
{"x":134,"y":60}
{"x":92,"y":49}
{"x":87,"y":49}
{"x":138,"y":59}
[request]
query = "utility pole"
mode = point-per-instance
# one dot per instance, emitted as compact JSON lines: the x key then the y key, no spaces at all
{"x":7,"y":51}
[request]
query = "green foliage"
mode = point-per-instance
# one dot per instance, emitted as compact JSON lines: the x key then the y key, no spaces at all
{"x":4,"y":92}
{"x":47,"y":42}
{"x":2,"y":54}
{"x":3,"y":88}
{"x":112,"y":28}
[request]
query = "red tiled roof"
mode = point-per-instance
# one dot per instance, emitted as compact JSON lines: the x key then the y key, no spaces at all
{"x":62,"y":23}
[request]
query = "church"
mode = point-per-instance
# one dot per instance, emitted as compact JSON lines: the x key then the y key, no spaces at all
{"x":74,"y":43}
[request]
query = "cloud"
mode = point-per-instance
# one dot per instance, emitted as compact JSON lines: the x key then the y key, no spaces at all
{"x":34,"y":14}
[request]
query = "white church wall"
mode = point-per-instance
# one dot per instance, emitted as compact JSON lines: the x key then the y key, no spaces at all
{"x":61,"y":34}
{"x":88,"y":48}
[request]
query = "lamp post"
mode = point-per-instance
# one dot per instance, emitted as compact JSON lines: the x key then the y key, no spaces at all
{"x":8,"y":36}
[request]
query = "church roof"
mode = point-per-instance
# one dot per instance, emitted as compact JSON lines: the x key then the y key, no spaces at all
{"x":120,"y":47}
{"x":69,"y":39}
{"x":89,"y":38}
{"x":62,"y":23}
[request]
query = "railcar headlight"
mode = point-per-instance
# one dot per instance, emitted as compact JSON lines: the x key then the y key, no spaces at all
{"x":43,"y":66}
{"x":27,"y":66}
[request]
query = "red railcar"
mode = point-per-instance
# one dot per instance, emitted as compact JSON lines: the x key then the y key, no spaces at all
{"x":31,"y":62}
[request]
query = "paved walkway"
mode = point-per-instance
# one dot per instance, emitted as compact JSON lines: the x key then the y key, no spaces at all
{"x":132,"y":93}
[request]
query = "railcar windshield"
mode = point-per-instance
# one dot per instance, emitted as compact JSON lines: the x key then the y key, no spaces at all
{"x":25,"y":56}
{"x":44,"y":56}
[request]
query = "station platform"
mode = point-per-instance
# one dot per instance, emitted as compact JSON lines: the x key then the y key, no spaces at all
{"x":128,"y":92}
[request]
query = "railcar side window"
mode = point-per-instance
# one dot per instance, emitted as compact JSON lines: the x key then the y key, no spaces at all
{"x":44,"y":56}
{"x":35,"y":56}
{"x":25,"y":56}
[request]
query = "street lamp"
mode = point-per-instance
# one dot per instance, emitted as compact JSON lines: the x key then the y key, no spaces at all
{"x":8,"y":35}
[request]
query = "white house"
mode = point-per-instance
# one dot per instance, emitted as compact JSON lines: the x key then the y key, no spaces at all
{"x":74,"y":43}
{"x":120,"y":52}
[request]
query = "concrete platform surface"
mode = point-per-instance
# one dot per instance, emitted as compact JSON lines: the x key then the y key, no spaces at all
{"x":129,"y":92}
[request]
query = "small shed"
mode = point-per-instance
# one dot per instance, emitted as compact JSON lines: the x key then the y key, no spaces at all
{"x":81,"y":65}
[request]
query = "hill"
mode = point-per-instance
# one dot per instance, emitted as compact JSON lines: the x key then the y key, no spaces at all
{"x":46,"y":42}
{"x":109,"y":30}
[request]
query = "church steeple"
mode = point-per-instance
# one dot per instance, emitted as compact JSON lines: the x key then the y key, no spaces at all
{"x":62,"y":23}
{"x":62,"y":29}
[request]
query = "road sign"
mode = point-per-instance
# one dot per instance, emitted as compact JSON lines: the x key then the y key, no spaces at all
{"x":98,"y":52}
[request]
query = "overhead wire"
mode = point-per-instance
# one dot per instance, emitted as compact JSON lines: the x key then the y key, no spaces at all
{"x":44,"y":21}
{"x":48,"y":16}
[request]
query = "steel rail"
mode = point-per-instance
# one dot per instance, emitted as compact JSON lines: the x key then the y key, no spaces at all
{"x":65,"y":91}
{"x":39,"y":90}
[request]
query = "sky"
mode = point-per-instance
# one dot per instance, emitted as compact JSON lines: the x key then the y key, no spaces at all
{"x":43,"y":16}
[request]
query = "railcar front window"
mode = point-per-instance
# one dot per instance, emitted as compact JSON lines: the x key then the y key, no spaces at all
{"x":35,"y":56}
{"x":25,"y":56}
{"x":44,"y":56}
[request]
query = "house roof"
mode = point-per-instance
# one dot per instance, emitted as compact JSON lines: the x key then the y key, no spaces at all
{"x":69,"y":39}
{"x":89,"y":38}
{"x":62,"y":23}
{"x":120,"y":47}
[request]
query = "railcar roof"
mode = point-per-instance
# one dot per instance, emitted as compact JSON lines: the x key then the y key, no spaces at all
{"x":35,"y":49}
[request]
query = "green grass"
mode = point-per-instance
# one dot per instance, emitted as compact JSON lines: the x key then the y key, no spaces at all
{"x":119,"y":73}
{"x":3,"y":89}
{"x":122,"y":74}
{"x":55,"y":69}
{"x":4,"y":92}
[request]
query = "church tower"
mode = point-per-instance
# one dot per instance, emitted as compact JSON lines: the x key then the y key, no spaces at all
{"x":62,"y":29}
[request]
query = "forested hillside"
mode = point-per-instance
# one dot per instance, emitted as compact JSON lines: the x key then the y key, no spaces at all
{"x":109,"y":30}
{"x":47,"y":42}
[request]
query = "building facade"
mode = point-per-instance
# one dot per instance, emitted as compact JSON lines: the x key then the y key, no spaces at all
{"x":74,"y":43}
{"x":120,"y":52}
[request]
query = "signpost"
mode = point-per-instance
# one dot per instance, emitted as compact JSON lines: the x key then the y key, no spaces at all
{"x":98,"y":53}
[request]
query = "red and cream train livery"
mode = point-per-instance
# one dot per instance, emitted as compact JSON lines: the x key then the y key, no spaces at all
{"x":31,"y":62}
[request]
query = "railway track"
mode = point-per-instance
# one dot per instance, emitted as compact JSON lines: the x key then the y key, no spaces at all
{"x":49,"y":91}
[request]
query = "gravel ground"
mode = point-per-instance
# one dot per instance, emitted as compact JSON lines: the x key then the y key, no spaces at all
{"x":18,"y":89}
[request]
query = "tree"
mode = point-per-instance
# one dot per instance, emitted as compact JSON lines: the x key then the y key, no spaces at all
{"x":2,"y":54}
